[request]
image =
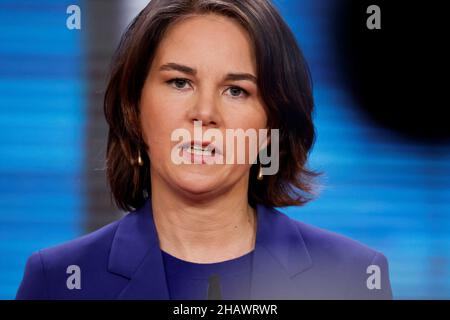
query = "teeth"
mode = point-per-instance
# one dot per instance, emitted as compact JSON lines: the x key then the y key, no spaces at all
{"x":199,"y":151}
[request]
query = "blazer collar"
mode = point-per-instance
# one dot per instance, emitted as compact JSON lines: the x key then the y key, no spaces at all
{"x":280,"y":254}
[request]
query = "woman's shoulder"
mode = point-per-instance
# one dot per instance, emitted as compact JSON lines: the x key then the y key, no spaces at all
{"x":93,"y":242}
{"x":344,"y":266}
{"x":332,"y":248}
{"x":54,"y":264}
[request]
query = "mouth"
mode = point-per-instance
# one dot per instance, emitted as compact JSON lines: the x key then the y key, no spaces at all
{"x":205,"y":149}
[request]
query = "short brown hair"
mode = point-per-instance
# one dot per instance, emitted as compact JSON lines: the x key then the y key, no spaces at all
{"x":284,"y":83}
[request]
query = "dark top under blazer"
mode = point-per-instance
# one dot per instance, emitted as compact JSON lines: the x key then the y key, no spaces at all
{"x":292,"y":260}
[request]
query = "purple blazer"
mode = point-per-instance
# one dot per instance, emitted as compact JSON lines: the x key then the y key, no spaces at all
{"x":292,"y":260}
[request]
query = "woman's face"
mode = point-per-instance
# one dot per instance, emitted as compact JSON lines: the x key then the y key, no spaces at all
{"x":189,"y":80}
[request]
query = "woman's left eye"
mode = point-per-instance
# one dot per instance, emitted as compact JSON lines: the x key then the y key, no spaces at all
{"x":178,"y":83}
{"x":237,"y":92}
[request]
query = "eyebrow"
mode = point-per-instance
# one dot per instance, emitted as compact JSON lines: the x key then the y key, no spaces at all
{"x":191,"y":71}
{"x":178,"y":67}
{"x":241,"y":76}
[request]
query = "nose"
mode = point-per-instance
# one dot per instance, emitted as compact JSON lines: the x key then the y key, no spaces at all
{"x":205,"y":108}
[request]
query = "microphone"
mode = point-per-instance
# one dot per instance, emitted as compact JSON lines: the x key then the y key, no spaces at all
{"x":214,"y":290}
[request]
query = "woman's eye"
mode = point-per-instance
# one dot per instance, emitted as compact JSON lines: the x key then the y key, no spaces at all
{"x":237,"y":92}
{"x":178,"y":83}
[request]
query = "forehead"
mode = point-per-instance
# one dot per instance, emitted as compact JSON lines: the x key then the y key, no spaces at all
{"x":209,"y":41}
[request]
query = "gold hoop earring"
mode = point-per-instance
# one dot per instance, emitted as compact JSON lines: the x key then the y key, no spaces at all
{"x":260,"y":173}
{"x":140,"y":162}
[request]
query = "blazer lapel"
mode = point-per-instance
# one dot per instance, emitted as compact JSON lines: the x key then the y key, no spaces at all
{"x":136,"y":255}
{"x":280,"y":254}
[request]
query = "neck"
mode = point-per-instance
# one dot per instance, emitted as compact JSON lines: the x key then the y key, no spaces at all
{"x":206,"y":229}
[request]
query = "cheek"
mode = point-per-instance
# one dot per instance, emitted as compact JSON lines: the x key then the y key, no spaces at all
{"x":251,"y":117}
{"x":158,"y":121}
{"x":259,"y":122}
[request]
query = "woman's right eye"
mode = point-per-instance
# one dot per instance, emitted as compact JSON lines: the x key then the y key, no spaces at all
{"x":178,"y":83}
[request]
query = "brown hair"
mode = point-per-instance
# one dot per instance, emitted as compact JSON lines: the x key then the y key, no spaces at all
{"x":284,"y":83}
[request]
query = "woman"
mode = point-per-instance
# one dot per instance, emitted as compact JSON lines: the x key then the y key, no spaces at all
{"x":208,"y":230}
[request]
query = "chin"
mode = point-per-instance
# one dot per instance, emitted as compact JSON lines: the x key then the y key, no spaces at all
{"x":197,"y":182}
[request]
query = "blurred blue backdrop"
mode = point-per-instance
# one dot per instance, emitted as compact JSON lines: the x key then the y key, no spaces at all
{"x":42,"y":133}
{"x":381,"y":189}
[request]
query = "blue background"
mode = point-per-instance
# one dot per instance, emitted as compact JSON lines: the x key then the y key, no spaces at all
{"x":387,"y":192}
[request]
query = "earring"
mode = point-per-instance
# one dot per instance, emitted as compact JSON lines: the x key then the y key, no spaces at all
{"x":260,"y":173}
{"x":140,"y":162}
